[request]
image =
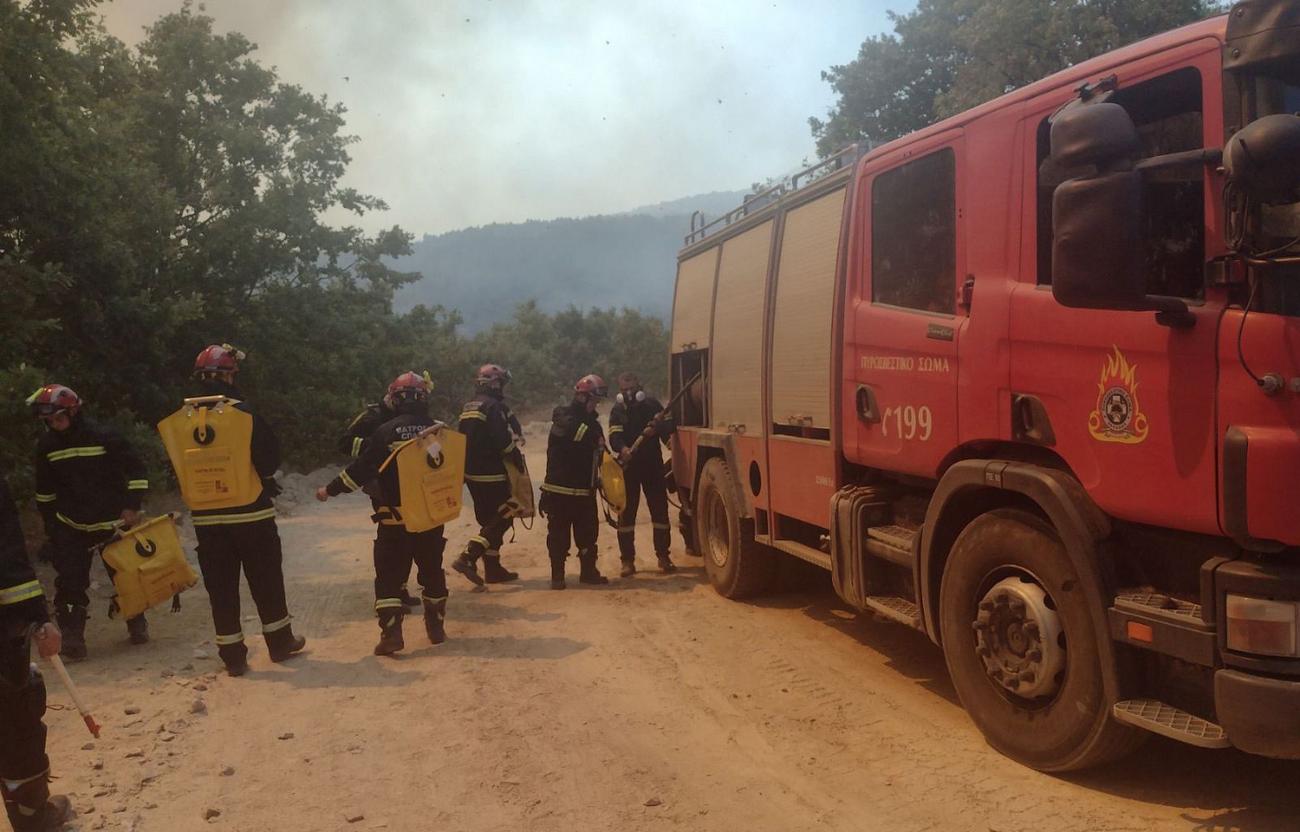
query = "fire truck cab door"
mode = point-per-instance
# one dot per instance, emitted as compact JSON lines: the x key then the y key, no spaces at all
{"x":903,"y":324}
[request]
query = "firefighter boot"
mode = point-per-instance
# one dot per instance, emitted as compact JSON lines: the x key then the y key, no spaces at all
{"x":494,"y":572}
{"x":72,"y":621}
{"x":666,"y":564}
{"x":435,"y":613}
{"x":32,"y":808}
{"x":137,"y":629}
{"x":557,"y":571}
{"x":390,"y":633}
{"x":282,"y":644}
{"x":588,"y":573}
{"x":235,"y":657}
{"x":465,"y":565}
{"x":629,"y":568}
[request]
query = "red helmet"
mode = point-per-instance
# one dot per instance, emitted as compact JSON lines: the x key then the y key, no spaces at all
{"x":592,"y":385}
{"x":218,"y":358}
{"x":492,"y":374}
{"x":408,"y":387}
{"x":53,"y":398}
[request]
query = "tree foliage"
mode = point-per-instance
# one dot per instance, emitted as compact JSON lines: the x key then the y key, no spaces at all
{"x":159,"y":198}
{"x":947,"y":56}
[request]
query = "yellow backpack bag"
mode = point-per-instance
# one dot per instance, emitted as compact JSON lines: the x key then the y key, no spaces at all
{"x":150,"y":565}
{"x":613,"y":487}
{"x":431,"y":477}
{"x":209,"y":443}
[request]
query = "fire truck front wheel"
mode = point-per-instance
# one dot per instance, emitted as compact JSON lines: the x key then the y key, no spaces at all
{"x":1018,"y":640}
{"x":737,"y":566}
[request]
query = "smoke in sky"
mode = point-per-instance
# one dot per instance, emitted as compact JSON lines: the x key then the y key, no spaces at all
{"x":476,"y":112}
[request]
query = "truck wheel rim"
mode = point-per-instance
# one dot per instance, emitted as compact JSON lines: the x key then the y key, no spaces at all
{"x":1020,"y":640}
{"x":717,"y":540}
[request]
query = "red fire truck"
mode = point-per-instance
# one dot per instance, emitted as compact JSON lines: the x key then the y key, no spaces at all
{"x":1028,"y":380}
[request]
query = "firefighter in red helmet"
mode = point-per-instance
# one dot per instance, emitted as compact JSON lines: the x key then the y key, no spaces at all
{"x":89,"y":482}
{"x":362,"y":426}
{"x":492,"y":434}
{"x":569,"y":492}
{"x":396,"y":548}
{"x":238,"y":532}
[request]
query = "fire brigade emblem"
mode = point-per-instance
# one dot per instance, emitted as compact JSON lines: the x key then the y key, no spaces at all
{"x":1118,"y":418}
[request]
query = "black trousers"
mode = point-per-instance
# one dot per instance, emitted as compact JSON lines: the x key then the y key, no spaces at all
{"x":22,"y":733}
{"x":254,"y":548}
{"x":72,"y":563}
{"x":570,"y":517}
{"x":488,"y":497}
{"x":647,"y":479}
{"x":395,"y":550}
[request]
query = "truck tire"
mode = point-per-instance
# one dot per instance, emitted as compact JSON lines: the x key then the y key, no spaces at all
{"x":737,"y":566}
{"x":1018,"y":639}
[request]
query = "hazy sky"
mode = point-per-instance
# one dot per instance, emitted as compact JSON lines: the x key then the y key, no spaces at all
{"x":505,"y":110}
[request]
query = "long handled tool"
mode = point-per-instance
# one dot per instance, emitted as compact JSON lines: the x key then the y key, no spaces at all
{"x":57,"y":663}
{"x":668,"y":408}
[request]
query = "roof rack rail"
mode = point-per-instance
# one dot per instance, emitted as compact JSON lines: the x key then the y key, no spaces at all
{"x":702,"y":228}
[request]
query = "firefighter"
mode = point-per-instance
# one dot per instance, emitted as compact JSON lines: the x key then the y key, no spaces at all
{"x":359,"y":429}
{"x":492,"y":434}
{"x":636,"y":414}
{"x":24,"y":768}
{"x":568,"y":493}
{"x":89,"y":482}
{"x":243,"y":535}
{"x":396,"y":548}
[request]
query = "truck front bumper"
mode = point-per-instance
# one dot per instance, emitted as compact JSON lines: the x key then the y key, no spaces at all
{"x":1261,"y":714}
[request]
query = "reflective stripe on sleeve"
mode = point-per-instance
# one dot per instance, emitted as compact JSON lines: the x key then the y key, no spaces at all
{"x":137,"y":485}
{"x":46,"y":498}
{"x":582,"y":431}
{"x":357,"y":442}
{"x":22,"y":592}
{"x":347,"y":481}
{"x":473,"y":414}
{"x":69,"y":453}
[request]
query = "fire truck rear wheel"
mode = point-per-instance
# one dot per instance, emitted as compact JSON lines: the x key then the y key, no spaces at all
{"x":1007,"y":587}
{"x":737,"y":566}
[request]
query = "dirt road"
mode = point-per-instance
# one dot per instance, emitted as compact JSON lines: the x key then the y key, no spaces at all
{"x":649,"y":704}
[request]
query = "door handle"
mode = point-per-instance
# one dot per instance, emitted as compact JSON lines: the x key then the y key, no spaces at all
{"x":868,"y":410}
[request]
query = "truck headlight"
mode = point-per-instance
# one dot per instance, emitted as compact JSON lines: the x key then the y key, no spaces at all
{"x":1260,"y":626}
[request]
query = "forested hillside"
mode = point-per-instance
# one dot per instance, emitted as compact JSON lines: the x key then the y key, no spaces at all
{"x":617,"y":260}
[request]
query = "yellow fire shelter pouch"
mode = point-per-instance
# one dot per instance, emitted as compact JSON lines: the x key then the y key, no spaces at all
{"x":612,"y":485}
{"x":209,"y":443}
{"x":520,"y":504}
{"x":150,"y":565}
{"x":430,"y":477}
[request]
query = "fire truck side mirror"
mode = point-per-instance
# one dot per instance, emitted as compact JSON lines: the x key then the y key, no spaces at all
{"x":1097,"y":242}
{"x":1263,"y":159}
{"x":1098,"y":260}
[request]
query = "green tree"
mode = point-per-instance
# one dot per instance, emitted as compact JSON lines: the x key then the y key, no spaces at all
{"x":947,"y":56}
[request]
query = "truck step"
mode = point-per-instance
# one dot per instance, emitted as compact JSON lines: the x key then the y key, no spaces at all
{"x":895,"y":608}
{"x":892,"y":543}
{"x":1157,"y":717}
{"x":1156,"y":604}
